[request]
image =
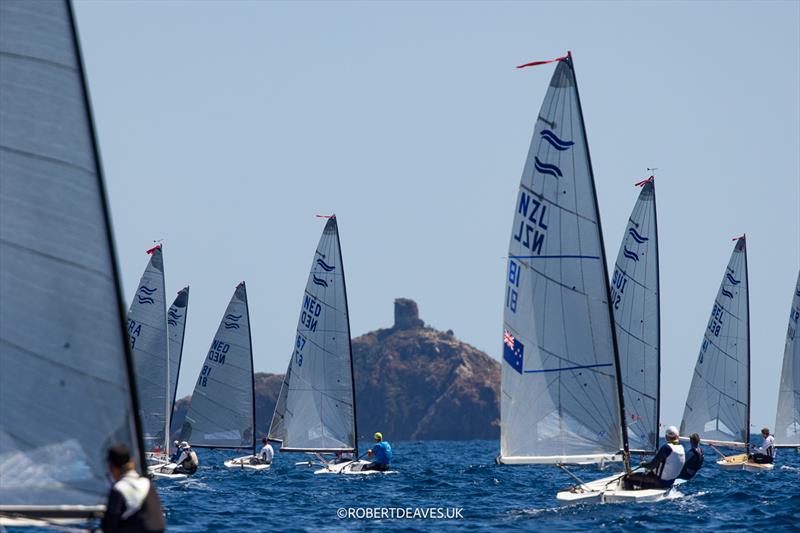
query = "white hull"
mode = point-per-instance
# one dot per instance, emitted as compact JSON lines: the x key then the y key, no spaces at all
{"x":755,"y":467}
{"x":243,"y":463}
{"x":610,"y":490}
{"x":351,"y":468}
{"x":165,"y":471}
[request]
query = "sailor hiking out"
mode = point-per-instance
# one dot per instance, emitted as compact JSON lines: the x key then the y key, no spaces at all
{"x":764,"y":454}
{"x":381,"y":453}
{"x":663,"y":469}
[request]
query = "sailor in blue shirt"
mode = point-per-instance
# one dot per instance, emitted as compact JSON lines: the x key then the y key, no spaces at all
{"x":382,"y":453}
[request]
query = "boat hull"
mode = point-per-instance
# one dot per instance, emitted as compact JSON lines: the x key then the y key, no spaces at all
{"x":244,"y":463}
{"x":165,"y":471}
{"x":350,"y":468}
{"x":733,"y":462}
{"x":610,"y":490}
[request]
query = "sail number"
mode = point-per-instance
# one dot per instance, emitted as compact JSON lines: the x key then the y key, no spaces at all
{"x":298,"y":349}
{"x":311,"y":312}
{"x":202,"y":381}
{"x":618,"y":283}
{"x":715,"y":323}
{"x":514,"y":272}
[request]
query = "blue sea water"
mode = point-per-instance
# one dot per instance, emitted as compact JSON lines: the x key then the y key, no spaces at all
{"x":463,"y":475}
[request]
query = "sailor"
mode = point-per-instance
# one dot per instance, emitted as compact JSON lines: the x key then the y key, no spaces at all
{"x":266,"y":454}
{"x":764,"y":454}
{"x":133,"y":503}
{"x":187,"y":461}
{"x":694,"y":459}
{"x":174,"y":457}
{"x":664,"y":467}
{"x":382,"y":453}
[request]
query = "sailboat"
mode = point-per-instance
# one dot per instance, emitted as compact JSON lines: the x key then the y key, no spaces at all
{"x":787,"y":420}
{"x":718,"y":404}
{"x":561,"y":392}
{"x":62,"y":322}
{"x":316,"y":408}
{"x":221,"y":413}
{"x":147,"y":333}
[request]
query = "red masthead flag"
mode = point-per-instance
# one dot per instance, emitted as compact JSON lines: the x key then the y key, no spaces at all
{"x":154,"y":248}
{"x":535,"y":63}
{"x":641,"y":183}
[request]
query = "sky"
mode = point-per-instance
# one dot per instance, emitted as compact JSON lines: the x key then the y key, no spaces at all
{"x":225,"y":127}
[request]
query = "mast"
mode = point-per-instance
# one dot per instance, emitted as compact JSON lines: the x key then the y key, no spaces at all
{"x":749,"y":371}
{"x":252,"y":367}
{"x":349,"y":342}
{"x":123,"y":316}
{"x":167,"y":393}
{"x":658,"y":307}
{"x":617,"y":366}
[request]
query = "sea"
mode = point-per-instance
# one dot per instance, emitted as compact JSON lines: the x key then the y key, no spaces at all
{"x":456,"y":485}
{"x":449,"y":485}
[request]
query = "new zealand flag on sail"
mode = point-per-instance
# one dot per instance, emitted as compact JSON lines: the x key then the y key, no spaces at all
{"x":512,"y":351}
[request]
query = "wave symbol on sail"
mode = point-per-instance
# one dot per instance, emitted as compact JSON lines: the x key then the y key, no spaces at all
{"x":233,"y":319}
{"x":326,"y":267}
{"x":513,"y":351}
{"x":732,"y":279}
{"x":145,"y":299}
{"x":636,"y":237}
{"x":727,"y":293}
{"x":319,"y":281}
{"x":147,"y":290}
{"x":630,"y":255}
{"x":546,"y":168}
{"x":557,"y":143}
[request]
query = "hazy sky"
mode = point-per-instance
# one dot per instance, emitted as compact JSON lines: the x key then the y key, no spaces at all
{"x":225,"y":127}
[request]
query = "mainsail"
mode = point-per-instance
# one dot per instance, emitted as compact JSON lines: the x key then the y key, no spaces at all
{"x":66,"y":385}
{"x":560,"y":398}
{"x":718,"y":405}
{"x":147,"y":331}
{"x":635,"y":298}
{"x":316,"y":406}
{"x":176,"y":325}
{"x":222,"y":410}
{"x":787,"y":421}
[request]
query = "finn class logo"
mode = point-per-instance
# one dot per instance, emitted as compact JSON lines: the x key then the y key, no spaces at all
{"x":554,"y":141}
{"x":636,"y":237}
{"x":513,"y":351}
{"x":729,"y":294}
{"x":173,"y":318}
{"x":231,"y":320}
{"x":145,"y":295}
{"x":324,"y":266}
{"x":630,"y":255}
{"x":732,"y":279}
{"x":319,"y":281}
{"x":546,"y":168}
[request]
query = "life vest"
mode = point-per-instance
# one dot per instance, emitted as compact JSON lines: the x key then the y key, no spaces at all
{"x":673,"y":464}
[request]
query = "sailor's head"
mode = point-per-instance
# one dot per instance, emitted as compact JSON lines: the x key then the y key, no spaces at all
{"x":264,"y":440}
{"x":184,"y":445}
{"x":671,"y":434}
{"x":765,"y":432}
{"x":176,"y":443}
{"x":378,"y":436}
{"x":119,"y":461}
{"x":694,"y":438}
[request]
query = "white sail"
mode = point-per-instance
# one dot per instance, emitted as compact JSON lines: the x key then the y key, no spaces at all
{"x":718,"y":405}
{"x":560,"y":394}
{"x":787,"y":421}
{"x":147,"y":331}
{"x":635,"y":300}
{"x":222,"y":410}
{"x":315,"y":409}
{"x":65,"y":383}
{"x":176,"y":325}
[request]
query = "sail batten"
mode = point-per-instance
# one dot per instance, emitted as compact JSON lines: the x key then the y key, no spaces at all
{"x":315,"y":410}
{"x":718,"y":405}
{"x":787,"y":418}
{"x":560,"y":394}
{"x":59,"y":280}
{"x":221,"y":411}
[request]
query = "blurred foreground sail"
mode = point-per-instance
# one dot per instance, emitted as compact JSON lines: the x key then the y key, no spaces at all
{"x":787,"y":422}
{"x":66,"y":388}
